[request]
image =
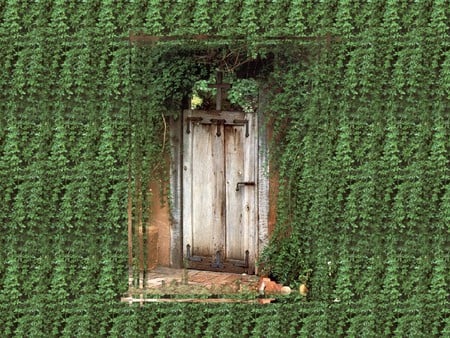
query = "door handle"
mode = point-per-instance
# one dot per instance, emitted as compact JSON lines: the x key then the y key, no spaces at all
{"x":243,"y":183}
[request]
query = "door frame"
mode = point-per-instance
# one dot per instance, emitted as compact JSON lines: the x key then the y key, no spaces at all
{"x":177,"y":129}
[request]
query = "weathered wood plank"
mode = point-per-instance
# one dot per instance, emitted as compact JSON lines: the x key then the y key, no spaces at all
{"x":196,"y":300}
{"x":236,"y":225}
{"x":218,"y":154}
{"x":175,"y":198}
{"x":188,"y":169}
{"x":263,"y":189}
{"x":207,"y":187}
{"x":130,"y":232}
{"x":251,"y":206}
{"x":203,"y":214}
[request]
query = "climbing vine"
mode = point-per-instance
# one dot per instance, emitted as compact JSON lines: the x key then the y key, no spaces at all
{"x":357,"y":94}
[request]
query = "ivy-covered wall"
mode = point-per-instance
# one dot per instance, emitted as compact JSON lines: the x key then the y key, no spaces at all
{"x":362,"y":130}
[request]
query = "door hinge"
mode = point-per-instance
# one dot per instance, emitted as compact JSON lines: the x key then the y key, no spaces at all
{"x":218,"y":122}
{"x":217,"y":262}
{"x":191,"y":258}
{"x":242,"y":123}
{"x":245,"y":264}
{"x":189,"y":120}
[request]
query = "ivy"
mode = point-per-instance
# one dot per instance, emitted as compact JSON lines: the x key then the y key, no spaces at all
{"x":361,"y":148}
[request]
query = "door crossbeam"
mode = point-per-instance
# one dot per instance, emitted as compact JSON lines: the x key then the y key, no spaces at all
{"x":199,"y":120}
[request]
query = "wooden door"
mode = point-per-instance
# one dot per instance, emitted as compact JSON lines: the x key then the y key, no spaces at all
{"x":219,"y":191}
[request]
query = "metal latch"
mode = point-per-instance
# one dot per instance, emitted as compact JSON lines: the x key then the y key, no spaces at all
{"x":243,"y":183}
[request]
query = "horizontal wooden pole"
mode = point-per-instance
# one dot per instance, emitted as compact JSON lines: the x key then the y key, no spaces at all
{"x":196,"y":300}
{"x":146,"y":38}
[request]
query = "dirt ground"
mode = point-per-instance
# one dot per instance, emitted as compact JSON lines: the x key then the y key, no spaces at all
{"x":166,"y":284}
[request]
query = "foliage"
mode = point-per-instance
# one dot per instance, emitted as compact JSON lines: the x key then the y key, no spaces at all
{"x":361,"y":145}
{"x":243,"y":94}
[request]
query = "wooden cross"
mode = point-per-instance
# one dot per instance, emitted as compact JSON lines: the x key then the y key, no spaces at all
{"x":220,"y":87}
